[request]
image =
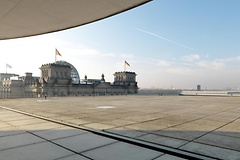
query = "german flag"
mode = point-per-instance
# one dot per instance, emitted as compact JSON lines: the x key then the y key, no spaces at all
{"x":58,"y":53}
{"x":126,"y":63}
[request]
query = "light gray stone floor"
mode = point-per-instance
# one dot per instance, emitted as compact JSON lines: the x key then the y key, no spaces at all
{"x":203,"y":125}
{"x":23,"y":137}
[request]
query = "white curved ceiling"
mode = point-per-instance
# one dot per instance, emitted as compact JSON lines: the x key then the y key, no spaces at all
{"x":22,"y":18}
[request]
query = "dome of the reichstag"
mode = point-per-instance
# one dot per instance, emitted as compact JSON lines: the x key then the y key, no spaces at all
{"x":74,"y":73}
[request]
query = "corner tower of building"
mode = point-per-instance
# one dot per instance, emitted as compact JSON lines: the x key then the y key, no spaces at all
{"x":55,"y":74}
{"x":127,"y":80}
{"x":127,"y":77}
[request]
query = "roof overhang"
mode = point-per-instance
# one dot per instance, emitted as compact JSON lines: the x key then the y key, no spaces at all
{"x":23,"y":18}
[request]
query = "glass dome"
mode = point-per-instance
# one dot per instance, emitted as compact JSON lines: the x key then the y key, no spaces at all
{"x":74,"y":73}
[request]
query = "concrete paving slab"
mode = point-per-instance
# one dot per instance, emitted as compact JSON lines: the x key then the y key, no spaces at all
{"x":27,"y":121}
{"x":146,"y":127}
{"x":228,"y":134}
{"x":13,"y":141}
{"x":99,"y":119}
{"x":146,"y":117}
{"x":166,"y":141}
{"x":234,"y":114}
{"x":231,"y":130}
{"x":49,"y":115}
{"x":179,"y":133}
{"x":39,"y":151}
{"x":205,"y":111}
{"x":126,"y":132}
{"x":192,"y":116}
{"x":237,"y":121}
{"x":58,"y":133}
{"x":223,"y":117}
{"x":116,"y":115}
{"x":40,"y":126}
{"x":78,"y":121}
{"x":176,"y":111}
{"x":168,"y":157}
{"x":13,"y":118}
{"x":236,"y":110}
{"x":120,"y":151}
{"x":119,"y":122}
{"x":98,"y":126}
{"x":9,"y":114}
{"x":74,"y":157}
{"x":211,"y":151}
{"x":232,"y":125}
{"x":4,"y":125}
{"x":180,"y":119}
{"x":63,"y":118}
{"x":211,"y":123}
{"x":84,"y":142}
{"x":165,"y":123}
{"x":3,"y":111}
{"x":220,"y":141}
{"x":192,"y":126}
{"x":8,"y":131}
{"x":219,"y":118}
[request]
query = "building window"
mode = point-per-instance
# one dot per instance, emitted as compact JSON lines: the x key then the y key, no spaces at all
{"x":45,"y":73}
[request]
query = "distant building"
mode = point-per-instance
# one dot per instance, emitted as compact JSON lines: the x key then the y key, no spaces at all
{"x":16,"y":87}
{"x":62,"y":79}
{"x":198,"y":87}
{"x":4,"y":76}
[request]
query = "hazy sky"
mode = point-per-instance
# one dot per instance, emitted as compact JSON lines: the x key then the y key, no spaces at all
{"x":168,"y":43}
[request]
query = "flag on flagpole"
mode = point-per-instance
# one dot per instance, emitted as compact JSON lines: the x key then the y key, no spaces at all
{"x":58,"y":53}
{"x":126,"y":63}
{"x":8,"y":66}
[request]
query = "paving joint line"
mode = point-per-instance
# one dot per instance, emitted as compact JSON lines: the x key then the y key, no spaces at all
{"x":144,"y":144}
{"x":173,"y":125}
{"x":70,"y":156}
{"x":159,"y":156}
{"x":50,"y":141}
{"x":99,"y":147}
{"x":209,"y":133}
{"x":21,"y":146}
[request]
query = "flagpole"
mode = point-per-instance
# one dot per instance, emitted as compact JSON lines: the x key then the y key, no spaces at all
{"x":6,"y":68}
{"x":124,"y":66}
{"x":55,"y":56}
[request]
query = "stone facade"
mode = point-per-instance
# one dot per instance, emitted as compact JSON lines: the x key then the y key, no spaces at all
{"x":18,"y":87}
{"x":62,"y":79}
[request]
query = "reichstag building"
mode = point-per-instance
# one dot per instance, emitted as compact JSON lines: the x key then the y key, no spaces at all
{"x":62,"y":79}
